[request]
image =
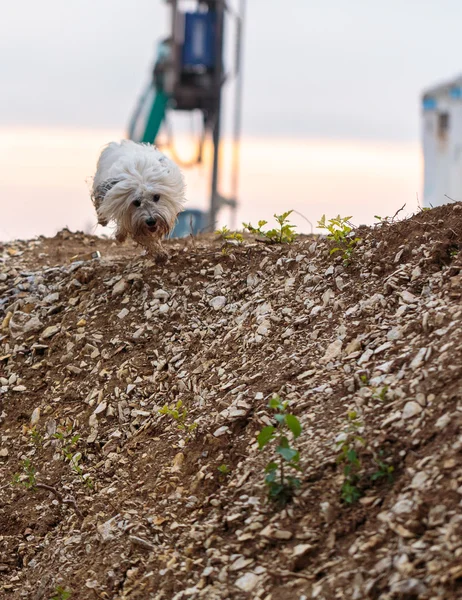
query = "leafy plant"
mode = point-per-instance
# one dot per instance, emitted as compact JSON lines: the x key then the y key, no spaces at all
{"x":348,"y":455}
{"x":224,"y":469}
{"x":284,"y":234}
{"x":61,"y":593}
{"x":281,"y":485}
{"x":340,"y":231}
{"x":36,"y":437}
{"x":381,"y":394}
{"x":178,"y":413}
{"x":68,"y":449}
{"x":227,"y":235}
{"x":27,"y":477}
{"x":383,"y":471}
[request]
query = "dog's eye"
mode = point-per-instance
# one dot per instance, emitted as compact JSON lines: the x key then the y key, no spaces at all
{"x":156,"y":197}
{"x":137,"y":203}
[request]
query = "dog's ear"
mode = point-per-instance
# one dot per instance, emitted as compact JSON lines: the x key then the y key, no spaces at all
{"x":104,"y":188}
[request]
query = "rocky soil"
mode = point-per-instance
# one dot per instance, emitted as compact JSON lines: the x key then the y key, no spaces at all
{"x":105,"y":497}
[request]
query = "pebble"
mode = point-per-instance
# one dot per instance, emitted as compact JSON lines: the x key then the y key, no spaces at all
{"x":218,"y":302}
{"x":247,"y":582}
{"x":411,"y":409}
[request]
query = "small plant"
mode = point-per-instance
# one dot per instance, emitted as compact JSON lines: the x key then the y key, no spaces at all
{"x":27,"y":477}
{"x":381,"y":394}
{"x":178,"y":413}
{"x":280,"y":485}
{"x":61,"y":593}
{"x":340,"y":231}
{"x":68,"y":449}
{"x":36,"y":437}
{"x":224,"y":470}
{"x":349,"y":457}
{"x":364,"y":379}
{"x":383,"y":471}
{"x":284,"y":234}
{"x":227,"y":235}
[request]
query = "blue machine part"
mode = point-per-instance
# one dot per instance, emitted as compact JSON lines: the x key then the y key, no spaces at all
{"x":199,"y":40}
{"x":190,"y":222}
{"x":429,"y":103}
{"x":456,"y":93}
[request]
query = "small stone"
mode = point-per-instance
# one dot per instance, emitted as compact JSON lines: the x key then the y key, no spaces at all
{"x":119,"y":288}
{"x":50,"y":332}
{"x":419,"y":480}
{"x":411,"y":409}
{"x":247,"y":582}
{"x":35,"y":417}
{"x":408,"y":298}
{"x":3,"y":452}
{"x":333,"y":351}
{"x":161,"y":295}
{"x":178,"y":462}
{"x":408,"y":588}
{"x":218,"y":302}
{"x":241,"y":563}
{"x":443,"y":421}
{"x":123,"y":313}
{"x":353,"y":346}
{"x":287,"y":333}
{"x":281,"y":534}
{"x":221,"y":431}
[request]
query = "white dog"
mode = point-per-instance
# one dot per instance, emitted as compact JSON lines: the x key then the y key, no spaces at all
{"x":141,"y":190}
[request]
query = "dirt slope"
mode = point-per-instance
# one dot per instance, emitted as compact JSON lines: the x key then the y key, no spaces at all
{"x":136,"y":507}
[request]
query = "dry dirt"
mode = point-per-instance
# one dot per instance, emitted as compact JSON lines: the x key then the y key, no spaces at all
{"x":125,"y":502}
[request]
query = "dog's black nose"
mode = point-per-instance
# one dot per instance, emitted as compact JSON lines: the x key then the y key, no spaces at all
{"x":150,"y":222}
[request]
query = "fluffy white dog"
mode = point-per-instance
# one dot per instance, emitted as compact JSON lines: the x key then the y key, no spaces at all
{"x":140,"y":190}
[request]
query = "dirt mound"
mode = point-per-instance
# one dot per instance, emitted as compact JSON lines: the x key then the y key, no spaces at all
{"x":110,"y":489}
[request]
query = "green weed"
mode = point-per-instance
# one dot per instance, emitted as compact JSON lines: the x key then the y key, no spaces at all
{"x":280,"y":485}
{"x":61,"y":593}
{"x":348,"y":455}
{"x":340,"y":232}
{"x":283,"y":234}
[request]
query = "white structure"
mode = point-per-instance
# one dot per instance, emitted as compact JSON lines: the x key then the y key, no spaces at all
{"x":442,"y":143}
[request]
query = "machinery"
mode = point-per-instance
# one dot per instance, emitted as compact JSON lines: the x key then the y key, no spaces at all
{"x":189,"y":75}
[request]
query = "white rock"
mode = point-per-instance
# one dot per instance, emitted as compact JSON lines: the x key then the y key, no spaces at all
{"x":123,"y":313}
{"x":161,"y":295}
{"x":443,"y":421}
{"x":411,"y":409}
{"x":247,"y":582}
{"x":419,"y":358}
{"x":395,"y":333}
{"x":408,"y":297}
{"x":333,"y":351}
{"x":35,"y":417}
{"x":402,"y":507}
{"x":419,"y":480}
{"x":241,"y":563}
{"x":50,"y":331}
{"x":218,"y":271}
{"x":119,"y":288}
{"x":221,"y":431}
{"x":218,"y":302}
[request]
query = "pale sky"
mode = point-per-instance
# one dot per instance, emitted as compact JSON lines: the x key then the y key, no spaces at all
{"x":342,"y":69}
{"x":331,"y":114}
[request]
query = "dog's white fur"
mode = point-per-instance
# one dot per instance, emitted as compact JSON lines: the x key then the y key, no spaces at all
{"x":141,"y":190}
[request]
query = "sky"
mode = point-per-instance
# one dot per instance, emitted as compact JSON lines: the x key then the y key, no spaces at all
{"x":331,"y":113}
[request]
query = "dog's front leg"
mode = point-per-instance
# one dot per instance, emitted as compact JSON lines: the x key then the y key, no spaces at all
{"x":121,"y":235}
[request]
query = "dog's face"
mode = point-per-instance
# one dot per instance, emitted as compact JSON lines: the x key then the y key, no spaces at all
{"x":149,"y":214}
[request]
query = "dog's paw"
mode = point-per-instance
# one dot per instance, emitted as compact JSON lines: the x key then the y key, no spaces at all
{"x":120,"y":236}
{"x":161,"y":257}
